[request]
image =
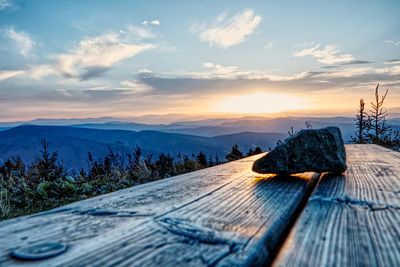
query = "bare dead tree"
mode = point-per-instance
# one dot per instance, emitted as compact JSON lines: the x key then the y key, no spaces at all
{"x":363,"y":125}
{"x":373,"y":128}
{"x":378,"y":118}
{"x":291,"y":131}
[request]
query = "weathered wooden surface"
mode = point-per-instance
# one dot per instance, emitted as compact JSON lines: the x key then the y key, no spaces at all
{"x":225,"y":215}
{"x":351,"y":219}
{"x":228,"y":215}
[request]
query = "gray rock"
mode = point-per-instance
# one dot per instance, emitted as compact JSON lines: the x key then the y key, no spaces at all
{"x":320,"y":150}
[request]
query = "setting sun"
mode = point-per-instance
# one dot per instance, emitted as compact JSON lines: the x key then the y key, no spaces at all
{"x":259,"y":103}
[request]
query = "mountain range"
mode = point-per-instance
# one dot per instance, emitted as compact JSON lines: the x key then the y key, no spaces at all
{"x":74,"y":138}
{"x":74,"y":143}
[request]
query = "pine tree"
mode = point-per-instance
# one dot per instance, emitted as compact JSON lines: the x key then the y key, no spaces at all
{"x":363,"y":125}
{"x":250,"y":152}
{"x":235,"y":154}
{"x":216,"y":159}
{"x":210,"y":162}
{"x":257,"y":150}
{"x":164,"y":165}
{"x":46,"y":167}
{"x":201,"y":159}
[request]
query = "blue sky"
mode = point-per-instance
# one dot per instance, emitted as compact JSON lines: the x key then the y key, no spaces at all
{"x":127,"y":58}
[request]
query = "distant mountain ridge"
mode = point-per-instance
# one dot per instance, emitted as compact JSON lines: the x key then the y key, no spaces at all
{"x":211,"y":127}
{"x":74,"y":143}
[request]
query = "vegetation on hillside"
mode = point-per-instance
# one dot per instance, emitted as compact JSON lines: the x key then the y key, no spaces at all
{"x":372,"y":127}
{"x":46,"y":184}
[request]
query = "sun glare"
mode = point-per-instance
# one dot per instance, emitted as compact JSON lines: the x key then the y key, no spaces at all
{"x":259,"y":103}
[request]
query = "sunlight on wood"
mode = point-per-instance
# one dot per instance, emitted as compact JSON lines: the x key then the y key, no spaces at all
{"x":260,"y":177}
{"x":302,"y":176}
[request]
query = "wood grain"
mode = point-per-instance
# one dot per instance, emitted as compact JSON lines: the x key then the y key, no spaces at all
{"x":225,"y":215}
{"x":351,"y":219}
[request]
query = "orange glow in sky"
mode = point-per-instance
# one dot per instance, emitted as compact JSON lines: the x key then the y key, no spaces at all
{"x":259,"y":103}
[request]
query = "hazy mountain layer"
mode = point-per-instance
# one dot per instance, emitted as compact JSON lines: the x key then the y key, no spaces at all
{"x":73,"y":143}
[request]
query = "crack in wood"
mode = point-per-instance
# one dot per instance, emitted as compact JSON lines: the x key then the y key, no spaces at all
{"x":194,"y":232}
{"x":354,"y":203}
{"x":101,"y":212}
{"x":199,"y":234}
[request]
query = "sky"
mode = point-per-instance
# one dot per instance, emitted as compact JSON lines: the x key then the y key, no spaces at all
{"x":64,"y":59}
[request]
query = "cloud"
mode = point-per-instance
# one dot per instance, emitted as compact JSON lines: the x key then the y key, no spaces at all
{"x":154,"y":22}
{"x":392,"y":61}
{"x":330,"y":54}
{"x":145,"y":71}
{"x":135,"y":86}
{"x":350,"y":72}
{"x":98,"y":88}
{"x":22,"y":40}
{"x":356,"y":62}
{"x":395,"y":43}
{"x":269,"y":45}
{"x":10,"y":73}
{"x":93,"y":72}
{"x":92,"y":57}
{"x":329,"y":67}
{"x":63,"y":92}
{"x":4,"y":4}
{"x":218,"y":71}
{"x":40,"y":71}
{"x":304,"y":82}
{"x":208,"y":65}
{"x":395,"y":70}
{"x":216,"y":79}
{"x":225,"y":32}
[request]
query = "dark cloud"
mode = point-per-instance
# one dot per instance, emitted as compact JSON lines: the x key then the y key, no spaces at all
{"x":67,"y":75}
{"x":104,"y":95}
{"x":312,"y":81}
{"x":87,"y":73}
{"x":395,"y":60}
{"x":357,"y":62}
{"x":93,"y":72}
{"x":329,"y":67}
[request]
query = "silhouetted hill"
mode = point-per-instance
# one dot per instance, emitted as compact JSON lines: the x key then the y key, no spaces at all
{"x":73,"y":144}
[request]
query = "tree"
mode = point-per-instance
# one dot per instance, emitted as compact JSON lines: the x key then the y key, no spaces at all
{"x":363,"y":124}
{"x":46,"y":167}
{"x":210,"y":162}
{"x":373,"y":128}
{"x":257,"y":150}
{"x":292,"y":132}
{"x":378,"y":118}
{"x":216,"y":159}
{"x":201,"y":159}
{"x":164,"y":165}
{"x":250,"y":153}
{"x":235,"y":154}
{"x":13,"y":166}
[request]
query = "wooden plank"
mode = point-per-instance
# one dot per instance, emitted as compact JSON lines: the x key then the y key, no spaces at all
{"x":351,"y":219}
{"x":217,"y":216}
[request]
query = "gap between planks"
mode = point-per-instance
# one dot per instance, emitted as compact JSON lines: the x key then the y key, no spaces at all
{"x":295,"y":216}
